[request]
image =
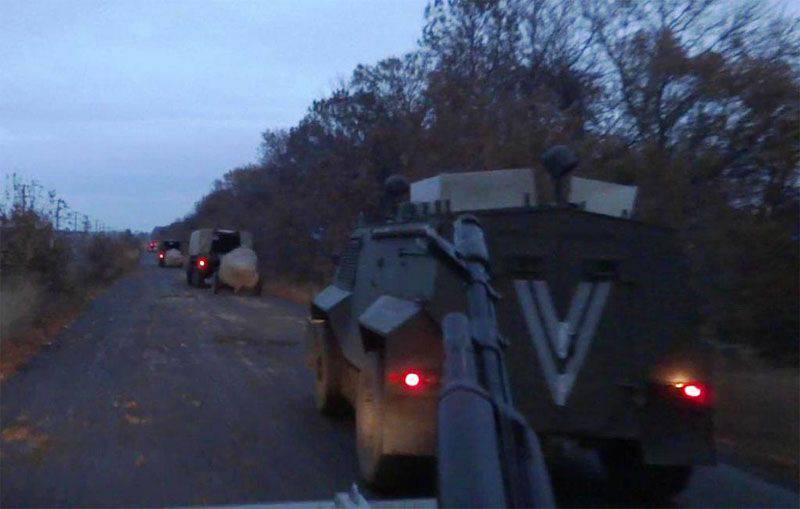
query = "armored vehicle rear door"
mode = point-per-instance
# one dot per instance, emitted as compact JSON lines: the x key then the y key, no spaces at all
{"x":589,"y":304}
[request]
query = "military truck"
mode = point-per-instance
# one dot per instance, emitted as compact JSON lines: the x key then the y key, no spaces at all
{"x":165,"y":258}
{"x":592,"y":305}
{"x":206,"y":247}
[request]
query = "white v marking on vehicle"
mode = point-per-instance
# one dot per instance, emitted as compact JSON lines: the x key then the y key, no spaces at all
{"x":568,"y":340}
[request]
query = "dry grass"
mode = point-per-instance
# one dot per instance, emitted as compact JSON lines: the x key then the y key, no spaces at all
{"x":23,"y":341}
{"x":758,"y":415}
{"x":18,"y":348}
{"x":47,"y":278}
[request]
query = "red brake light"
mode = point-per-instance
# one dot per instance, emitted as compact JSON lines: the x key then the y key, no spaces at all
{"x":411,"y":379}
{"x":161,"y":255}
{"x":201,"y":263}
{"x":692,"y":391}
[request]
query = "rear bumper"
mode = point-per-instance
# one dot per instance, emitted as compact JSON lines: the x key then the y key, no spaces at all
{"x":675,"y":431}
{"x":202,"y":273}
{"x":410,"y":428}
{"x":669,"y":429}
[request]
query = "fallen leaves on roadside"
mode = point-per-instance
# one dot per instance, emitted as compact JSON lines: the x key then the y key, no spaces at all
{"x":34,"y":443}
{"x":125,"y":403}
{"x":136,"y":420}
{"x":18,"y":433}
{"x":190,"y":400}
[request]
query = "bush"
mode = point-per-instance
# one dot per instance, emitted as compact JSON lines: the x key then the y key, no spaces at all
{"x":44,"y":271}
{"x":108,"y":257}
{"x":30,"y":246}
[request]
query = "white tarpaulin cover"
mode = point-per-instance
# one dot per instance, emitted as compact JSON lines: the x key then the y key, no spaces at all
{"x":238,"y":269}
{"x":173,"y":258}
{"x":200,"y":241}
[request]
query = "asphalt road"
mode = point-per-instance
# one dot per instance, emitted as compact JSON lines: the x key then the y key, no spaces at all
{"x":165,"y":395}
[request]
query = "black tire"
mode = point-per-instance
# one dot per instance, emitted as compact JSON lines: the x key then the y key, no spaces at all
{"x":630,"y":479}
{"x":326,"y":363}
{"x":196,"y":279}
{"x":377,"y":468}
{"x":216,"y":285}
{"x":189,"y":276}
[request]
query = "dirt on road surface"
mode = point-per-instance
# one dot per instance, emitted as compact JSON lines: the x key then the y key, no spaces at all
{"x":162,"y":394}
{"x":166,"y":395}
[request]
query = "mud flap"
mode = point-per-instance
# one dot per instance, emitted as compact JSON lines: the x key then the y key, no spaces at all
{"x":409,"y":338}
{"x":676,"y":433}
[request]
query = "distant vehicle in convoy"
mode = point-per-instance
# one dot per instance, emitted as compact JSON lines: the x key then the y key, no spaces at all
{"x":152,"y":245}
{"x":169,"y":253}
{"x":206,"y":247}
{"x":593,"y":304}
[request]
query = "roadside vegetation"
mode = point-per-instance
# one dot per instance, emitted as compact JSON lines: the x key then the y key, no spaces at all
{"x":693,"y":101}
{"x":48,"y":274}
{"x":757,"y":416}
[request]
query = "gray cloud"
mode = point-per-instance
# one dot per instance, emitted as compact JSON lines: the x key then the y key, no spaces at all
{"x":131,"y":109}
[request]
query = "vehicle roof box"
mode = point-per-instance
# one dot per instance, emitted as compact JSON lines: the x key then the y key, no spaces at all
{"x":200,"y":240}
{"x":519,"y":187}
{"x":602,"y":197}
{"x":478,"y":190}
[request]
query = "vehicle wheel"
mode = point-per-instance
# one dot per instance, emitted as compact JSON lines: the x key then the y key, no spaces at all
{"x":196,"y":281}
{"x":327,"y":365}
{"x":189,"y":276}
{"x":216,"y":283}
{"x":632,"y":480}
{"x":377,"y":468}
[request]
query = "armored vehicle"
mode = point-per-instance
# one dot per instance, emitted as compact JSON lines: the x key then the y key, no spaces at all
{"x":206,"y":247}
{"x":592,"y":305}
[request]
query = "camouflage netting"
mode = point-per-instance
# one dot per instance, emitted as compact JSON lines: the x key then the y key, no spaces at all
{"x":238,"y":269}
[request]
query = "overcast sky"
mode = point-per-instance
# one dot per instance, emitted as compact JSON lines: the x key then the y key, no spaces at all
{"x":131,"y":109}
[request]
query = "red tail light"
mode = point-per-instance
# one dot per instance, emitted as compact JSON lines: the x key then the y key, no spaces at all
{"x":693,"y":391}
{"x":411,"y":379}
{"x":161,"y":255}
{"x":201,"y":263}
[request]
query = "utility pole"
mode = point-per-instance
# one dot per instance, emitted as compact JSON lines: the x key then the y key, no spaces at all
{"x":51,"y":199}
{"x":23,"y":192}
{"x":60,"y":205}
{"x":34,"y":193}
